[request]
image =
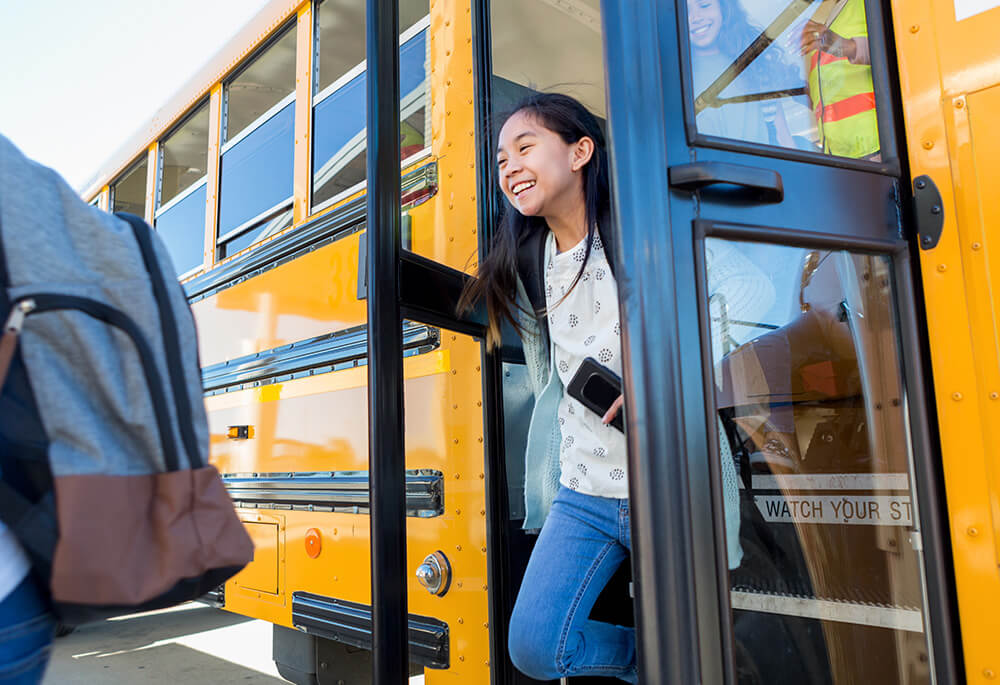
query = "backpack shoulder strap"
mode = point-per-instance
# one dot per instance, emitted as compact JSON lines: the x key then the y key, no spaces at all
{"x":530,"y":266}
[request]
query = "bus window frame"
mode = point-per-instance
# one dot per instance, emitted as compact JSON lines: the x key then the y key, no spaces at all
{"x":228,"y":145}
{"x":177,"y":199}
{"x":131,"y":167}
{"x":927,"y":496}
{"x":246,"y":63}
{"x":249,"y":225}
{"x":181,"y":121}
{"x":885,"y":103}
{"x":256,"y":123}
{"x":422,"y":24}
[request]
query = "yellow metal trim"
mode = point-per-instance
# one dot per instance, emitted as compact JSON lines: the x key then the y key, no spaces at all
{"x":212,"y":187}
{"x":302,"y":164}
{"x":941,"y":62}
{"x":152,"y":156}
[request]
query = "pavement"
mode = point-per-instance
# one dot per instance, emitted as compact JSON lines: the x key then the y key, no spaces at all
{"x":190,"y":644}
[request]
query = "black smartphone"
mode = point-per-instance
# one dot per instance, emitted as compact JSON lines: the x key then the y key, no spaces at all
{"x":596,"y":387}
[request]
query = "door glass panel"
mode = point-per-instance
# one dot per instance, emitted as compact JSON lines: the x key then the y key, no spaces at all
{"x":827,"y":583}
{"x":789,"y":74}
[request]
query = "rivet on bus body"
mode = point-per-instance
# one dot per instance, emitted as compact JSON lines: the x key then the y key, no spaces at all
{"x":460,"y":620}
{"x":994,"y":395}
{"x":972,"y":531}
{"x":454,"y":406}
{"x":959,"y":103}
{"x":957,"y":396}
{"x":928,"y":144}
{"x":456,"y":441}
{"x":487,"y":626}
{"x":480,"y":438}
{"x":989,"y":674}
{"x":461,"y":658}
{"x":942,"y":267}
{"x":915,"y":28}
{"x":482,"y":512}
{"x":479,"y":403}
{"x":458,"y":512}
{"x":485,"y":588}
{"x":454,"y":371}
{"x":457,"y":476}
{"x":976,"y":246}
{"x":482,"y":476}
{"x":458,"y":584}
{"x":484,"y":550}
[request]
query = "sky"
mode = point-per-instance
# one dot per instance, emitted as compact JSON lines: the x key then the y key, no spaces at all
{"x":79,"y":78}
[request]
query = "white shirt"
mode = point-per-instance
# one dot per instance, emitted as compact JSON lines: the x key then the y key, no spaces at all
{"x":14,"y":564}
{"x":584,"y":324}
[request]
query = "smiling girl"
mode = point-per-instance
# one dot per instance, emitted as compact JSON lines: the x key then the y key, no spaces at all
{"x":719,"y":31}
{"x":549,"y":274}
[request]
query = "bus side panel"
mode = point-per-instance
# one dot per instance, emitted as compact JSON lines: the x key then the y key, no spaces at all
{"x":319,"y":424}
{"x":948,"y":78}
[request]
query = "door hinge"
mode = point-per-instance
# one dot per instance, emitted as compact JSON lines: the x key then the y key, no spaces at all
{"x":929,"y":211}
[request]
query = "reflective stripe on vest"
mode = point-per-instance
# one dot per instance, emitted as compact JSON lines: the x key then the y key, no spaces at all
{"x":843,"y":94}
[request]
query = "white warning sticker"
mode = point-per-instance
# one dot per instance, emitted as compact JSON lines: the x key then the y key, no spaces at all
{"x":970,"y":8}
{"x":875,"y":510}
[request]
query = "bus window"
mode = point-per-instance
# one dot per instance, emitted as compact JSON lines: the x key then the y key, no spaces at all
{"x":128,"y":193}
{"x":811,"y":408}
{"x":794,"y":75}
{"x":180,"y":214}
{"x":340,"y":106}
{"x":255,"y":187}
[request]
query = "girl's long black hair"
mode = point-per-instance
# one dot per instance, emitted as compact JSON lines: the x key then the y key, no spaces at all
{"x":497,"y":281}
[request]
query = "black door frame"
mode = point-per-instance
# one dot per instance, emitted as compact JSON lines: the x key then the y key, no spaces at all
{"x":684,"y":627}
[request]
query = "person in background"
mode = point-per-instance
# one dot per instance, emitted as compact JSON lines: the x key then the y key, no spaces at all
{"x":840,"y":80}
{"x":719,"y":31}
{"x":26,"y":625}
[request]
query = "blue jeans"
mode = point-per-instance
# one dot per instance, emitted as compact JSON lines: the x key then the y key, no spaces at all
{"x":26,"y":628}
{"x":583,"y":542}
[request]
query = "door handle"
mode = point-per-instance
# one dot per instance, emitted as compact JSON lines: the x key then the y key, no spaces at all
{"x":764,"y":183}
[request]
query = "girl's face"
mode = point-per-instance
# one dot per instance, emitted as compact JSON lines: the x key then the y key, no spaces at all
{"x":540,"y":174}
{"x":704,"y":22}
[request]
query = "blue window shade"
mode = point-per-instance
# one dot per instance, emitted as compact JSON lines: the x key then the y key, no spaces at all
{"x":257,"y":171}
{"x":339,"y":124}
{"x":182,"y":228}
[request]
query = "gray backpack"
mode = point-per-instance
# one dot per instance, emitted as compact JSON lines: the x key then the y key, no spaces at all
{"x":104,"y":473}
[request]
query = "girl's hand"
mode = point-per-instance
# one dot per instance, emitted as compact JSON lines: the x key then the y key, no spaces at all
{"x":613,"y":410}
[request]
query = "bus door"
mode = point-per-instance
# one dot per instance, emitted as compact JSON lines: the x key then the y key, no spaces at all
{"x":787,"y":522}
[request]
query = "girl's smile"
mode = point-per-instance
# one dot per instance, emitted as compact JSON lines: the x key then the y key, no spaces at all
{"x":704,"y":22}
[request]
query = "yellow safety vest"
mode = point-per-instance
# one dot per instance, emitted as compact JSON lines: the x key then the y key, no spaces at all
{"x":842,"y":93}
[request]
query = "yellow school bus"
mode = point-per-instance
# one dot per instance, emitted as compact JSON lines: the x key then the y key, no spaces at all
{"x":818,"y":309}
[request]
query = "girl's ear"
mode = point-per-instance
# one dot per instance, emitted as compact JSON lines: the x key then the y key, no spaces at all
{"x":583,"y":150}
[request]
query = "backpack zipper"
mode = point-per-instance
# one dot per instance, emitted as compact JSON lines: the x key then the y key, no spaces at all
{"x":47,"y":302}
{"x":11,"y":332}
{"x":18,"y":312}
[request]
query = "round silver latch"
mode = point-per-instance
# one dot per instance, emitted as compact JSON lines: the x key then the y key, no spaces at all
{"x":435,"y":573}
